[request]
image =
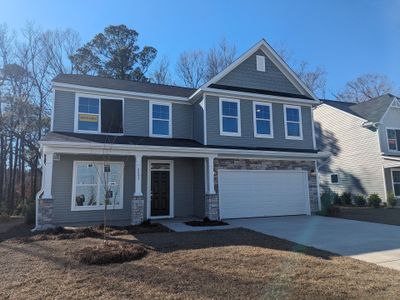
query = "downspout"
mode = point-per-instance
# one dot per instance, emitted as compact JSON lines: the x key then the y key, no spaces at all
{"x":38,"y":195}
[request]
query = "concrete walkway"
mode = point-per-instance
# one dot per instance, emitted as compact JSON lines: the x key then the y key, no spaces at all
{"x":371,"y":242}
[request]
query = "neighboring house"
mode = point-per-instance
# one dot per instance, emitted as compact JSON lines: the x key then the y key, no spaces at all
{"x":242,"y":145}
{"x":364,"y":140}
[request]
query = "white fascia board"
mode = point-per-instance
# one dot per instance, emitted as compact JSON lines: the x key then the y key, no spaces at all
{"x":120,"y":93}
{"x":257,"y":97}
{"x":118,"y":149}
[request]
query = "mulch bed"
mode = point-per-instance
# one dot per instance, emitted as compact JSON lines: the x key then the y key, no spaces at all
{"x":390,"y":216}
{"x":206,"y":223}
{"x":109,"y":253}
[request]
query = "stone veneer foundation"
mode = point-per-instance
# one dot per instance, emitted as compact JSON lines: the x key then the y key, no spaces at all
{"x":137,"y":210}
{"x":212,"y":206}
{"x":45,"y":214}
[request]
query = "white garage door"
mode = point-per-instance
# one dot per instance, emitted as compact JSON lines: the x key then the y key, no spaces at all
{"x":245,"y":193}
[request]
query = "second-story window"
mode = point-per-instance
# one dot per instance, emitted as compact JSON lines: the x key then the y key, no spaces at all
{"x":99,"y":115}
{"x":392,"y":135}
{"x":229,"y":110}
{"x":293,"y":126}
{"x":262,"y":114}
{"x":160,"y":120}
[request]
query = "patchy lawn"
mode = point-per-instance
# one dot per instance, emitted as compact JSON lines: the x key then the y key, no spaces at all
{"x":382,"y":215}
{"x":234,"y":263}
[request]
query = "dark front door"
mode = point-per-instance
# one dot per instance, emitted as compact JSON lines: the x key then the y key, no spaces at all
{"x":159,"y":193}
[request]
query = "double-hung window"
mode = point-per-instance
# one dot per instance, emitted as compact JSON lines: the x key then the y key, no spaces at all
{"x":95,"y":183}
{"x":262,"y":115}
{"x":393,"y":138}
{"x":293,"y":126}
{"x":160,"y":120}
{"x":98,"y":115}
{"x":396,"y":182}
{"x":229,"y":117}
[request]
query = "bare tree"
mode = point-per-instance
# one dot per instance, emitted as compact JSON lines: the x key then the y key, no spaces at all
{"x":161,"y":74}
{"x":314,"y":79}
{"x":191,"y":68}
{"x":219,"y":57}
{"x":365,"y":87}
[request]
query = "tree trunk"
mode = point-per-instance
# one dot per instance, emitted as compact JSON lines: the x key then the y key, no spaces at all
{"x":13,"y":187}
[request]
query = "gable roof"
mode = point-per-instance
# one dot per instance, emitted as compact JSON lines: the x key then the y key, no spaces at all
{"x":123,"y":85}
{"x":371,"y":110}
{"x":275,"y":58}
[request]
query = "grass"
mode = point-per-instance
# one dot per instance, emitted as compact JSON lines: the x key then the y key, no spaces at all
{"x":217,"y":264}
{"x":382,"y":215}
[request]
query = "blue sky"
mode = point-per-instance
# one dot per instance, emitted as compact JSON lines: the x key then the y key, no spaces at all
{"x":347,"y":38}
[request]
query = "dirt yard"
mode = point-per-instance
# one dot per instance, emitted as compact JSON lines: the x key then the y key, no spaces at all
{"x":216,"y":264}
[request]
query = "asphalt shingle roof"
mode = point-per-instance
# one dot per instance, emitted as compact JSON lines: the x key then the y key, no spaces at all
{"x":124,"y":85}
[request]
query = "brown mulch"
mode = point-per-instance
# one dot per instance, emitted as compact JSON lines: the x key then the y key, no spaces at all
{"x":205,"y":223}
{"x":390,"y":216}
{"x":110,"y":252}
{"x":220,"y":264}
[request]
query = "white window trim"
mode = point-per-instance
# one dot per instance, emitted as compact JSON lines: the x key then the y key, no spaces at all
{"x":300,"y":122}
{"x":74,"y":207}
{"x":151,"y":103}
{"x":394,"y":170}
{"x":330,"y":178}
{"x":260,"y":62}
{"x":99,"y":97}
{"x":171,"y":188}
{"x":221,"y":131}
{"x":260,"y":135}
{"x":387,"y":139}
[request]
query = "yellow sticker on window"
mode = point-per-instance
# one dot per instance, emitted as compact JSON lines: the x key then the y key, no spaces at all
{"x":88,"y":118}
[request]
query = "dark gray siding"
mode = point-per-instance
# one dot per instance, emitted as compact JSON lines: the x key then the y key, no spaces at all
{"x":62,"y":193}
{"x":136,"y":117}
{"x":246,"y":75}
{"x":247,"y":128}
{"x":198,"y":120}
{"x":199,"y":188}
{"x":182,"y":121}
{"x":64,"y":111}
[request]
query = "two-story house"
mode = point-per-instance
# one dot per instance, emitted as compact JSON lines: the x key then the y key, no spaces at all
{"x":364,"y":140}
{"x":241,"y":145}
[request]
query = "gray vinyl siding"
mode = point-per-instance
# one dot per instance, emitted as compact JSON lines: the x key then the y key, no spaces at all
{"x":246,"y":75}
{"x":247,"y":128}
{"x":198,"y":121}
{"x":182,"y":124}
{"x":62,"y":193}
{"x":199,"y":188}
{"x":136,"y":117}
{"x":391,"y":120}
{"x":64,"y":111}
{"x":355,"y":153}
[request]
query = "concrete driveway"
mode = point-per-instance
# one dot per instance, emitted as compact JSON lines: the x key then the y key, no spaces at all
{"x":371,"y":242}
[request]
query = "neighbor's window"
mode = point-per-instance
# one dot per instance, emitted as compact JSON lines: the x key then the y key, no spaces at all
{"x":93,"y":181}
{"x":293,"y":127}
{"x":262,"y":119}
{"x":92,"y":110}
{"x":334,"y":178}
{"x":160,"y":121}
{"x":229,"y":117}
{"x":392,"y":139}
{"x":396,"y":182}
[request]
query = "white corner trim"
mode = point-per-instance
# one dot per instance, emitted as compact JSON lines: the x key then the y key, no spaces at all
{"x":227,"y":133}
{"x":151,"y":103}
{"x":203,"y":104}
{"x":300,"y":122}
{"x":271,"y":120}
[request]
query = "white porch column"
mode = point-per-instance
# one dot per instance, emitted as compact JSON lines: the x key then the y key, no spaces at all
{"x":47,"y":175}
{"x":210,"y":174}
{"x":138,"y":175}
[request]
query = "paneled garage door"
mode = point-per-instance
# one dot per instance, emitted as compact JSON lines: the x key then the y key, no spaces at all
{"x":248,"y":193}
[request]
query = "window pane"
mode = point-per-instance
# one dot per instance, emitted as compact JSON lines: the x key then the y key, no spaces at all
{"x":263,"y":127}
{"x":396,"y":176}
{"x":229,"y":108}
{"x":160,"y":127}
{"x":86,"y":195}
{"x":334,"y":178}
{"x":391,"y":134}
{"x":86,"y":174}
{"x":88,"y":105}
{"x":229,"y":124}
{"x":111,"y":116}
{"x":397,"y":190}
{"x":392,"y":145}
{"x":293,"y":129}
{"x":88,"y":122}
{"x":160,"y":111}
{"x":292,"y":114}
{"x":114,"y":194}
{"x":262,"y":112}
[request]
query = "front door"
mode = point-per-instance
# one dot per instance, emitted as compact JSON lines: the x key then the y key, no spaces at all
{"x":160,"y":191}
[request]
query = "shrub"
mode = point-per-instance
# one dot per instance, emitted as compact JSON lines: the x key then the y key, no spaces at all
{"x":345,"y":198}
{"x":336,"y":199}
{"x":392,"y":201}
{"x":360,"y":200}
{"x":327,"y":199}
{"x":374,"y":200}
{"x":30,"y":213}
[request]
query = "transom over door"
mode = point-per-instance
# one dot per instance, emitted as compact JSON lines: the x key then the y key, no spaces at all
{"x":160,"y":191}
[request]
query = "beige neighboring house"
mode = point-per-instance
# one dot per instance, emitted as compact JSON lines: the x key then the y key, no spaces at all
{"x":364,"y":140}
